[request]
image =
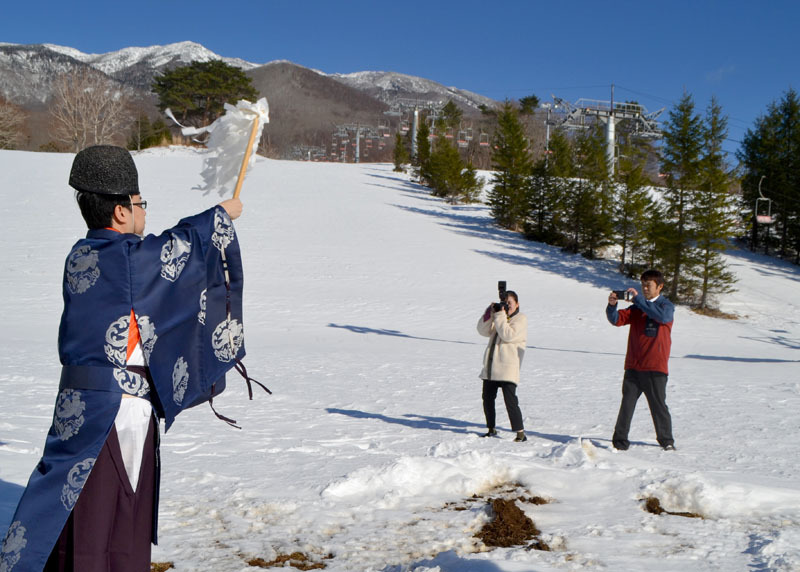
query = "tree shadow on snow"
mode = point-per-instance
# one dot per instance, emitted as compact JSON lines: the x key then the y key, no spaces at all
{"x":746,"y":359}
{"x":399,"y":334}
{"x":764,"y":264}
{"x":395,"y":333}
{"x":9,"y":497}
{"x":519,"y":251}
{"x":412,"y":420}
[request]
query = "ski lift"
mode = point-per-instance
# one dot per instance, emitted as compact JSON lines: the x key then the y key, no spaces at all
{"x":484,"y":139}
{"x":449,"y":133}
{"x":763,"y":208}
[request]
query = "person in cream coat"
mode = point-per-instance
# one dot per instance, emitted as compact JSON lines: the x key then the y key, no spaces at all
{"x":507,"y":330}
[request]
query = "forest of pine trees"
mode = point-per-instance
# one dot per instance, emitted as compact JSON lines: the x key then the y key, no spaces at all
{"x":569,"y":196}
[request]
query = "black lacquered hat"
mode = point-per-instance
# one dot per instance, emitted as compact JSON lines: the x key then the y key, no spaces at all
{"x":104,"y":169}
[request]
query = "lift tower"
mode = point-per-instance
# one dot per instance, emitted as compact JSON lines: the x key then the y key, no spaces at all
{"x":609,"y":113}
{"x":402,"y":106}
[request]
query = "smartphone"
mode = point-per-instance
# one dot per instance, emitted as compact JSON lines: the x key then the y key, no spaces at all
{"x":623,"y":295}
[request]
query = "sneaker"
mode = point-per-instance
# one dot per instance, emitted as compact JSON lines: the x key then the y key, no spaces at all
{"x":491,"y":433}
{"x":520,"y":437}
{"x":669,"y":447}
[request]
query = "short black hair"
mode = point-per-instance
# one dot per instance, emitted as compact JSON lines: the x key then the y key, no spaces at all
{"x":653,"y":275}
{"x":98,"y":210}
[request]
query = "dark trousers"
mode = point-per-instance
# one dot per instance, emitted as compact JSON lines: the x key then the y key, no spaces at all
{"x":509,"y":396}
{"x":654,"y":386}
{"x":111,"y":527}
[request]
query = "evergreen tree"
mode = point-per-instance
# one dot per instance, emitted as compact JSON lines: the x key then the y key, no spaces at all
{"x":401,"y":155}
{"x":681,"y":152}
{"x":451,"y":115}
{"x":445,"y":170}
{"x":512,"y":164}
{"x":197,"y":93}
{"x":713,"y":209}
{"x":772,"y":150}
{"x":448,"y":176}
{"x":631,"y":210}
{"x":422,"y":160}
{"x":471,"y":184}
{"x":528,"y":104}
{"x":589,"y":199}
{"x":548,"y":192}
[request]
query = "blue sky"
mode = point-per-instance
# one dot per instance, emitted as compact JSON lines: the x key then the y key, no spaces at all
{"x":743,"y":52}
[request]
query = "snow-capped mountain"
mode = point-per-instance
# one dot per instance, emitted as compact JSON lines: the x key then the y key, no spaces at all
{"x":156,"y":57}
{"x":389,"y":86}
{"x":27,"y":72}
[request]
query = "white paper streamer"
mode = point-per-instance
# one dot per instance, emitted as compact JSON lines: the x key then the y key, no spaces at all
{"x":227,"y":143}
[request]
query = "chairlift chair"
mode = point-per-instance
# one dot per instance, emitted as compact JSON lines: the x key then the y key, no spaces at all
{"x":764,"y":211}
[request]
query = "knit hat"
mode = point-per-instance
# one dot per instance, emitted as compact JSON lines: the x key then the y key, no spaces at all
{"x":106,"y":170}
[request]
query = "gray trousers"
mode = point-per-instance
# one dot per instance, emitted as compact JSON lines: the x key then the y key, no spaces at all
{"x":654,"y":386}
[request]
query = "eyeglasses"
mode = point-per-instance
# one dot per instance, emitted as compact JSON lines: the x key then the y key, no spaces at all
{"x":142,"y":204}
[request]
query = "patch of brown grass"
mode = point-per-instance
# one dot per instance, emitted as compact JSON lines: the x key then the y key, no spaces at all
{"x":294,"y":560}
{"x":161,"y":566}
{"x":715,"y":313}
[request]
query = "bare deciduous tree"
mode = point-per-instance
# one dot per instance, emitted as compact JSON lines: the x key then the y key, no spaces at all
{"x":11,"y":120}
{"x":89,"y":109}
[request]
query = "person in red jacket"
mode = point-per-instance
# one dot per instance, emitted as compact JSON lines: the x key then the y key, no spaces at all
{"x":650,"y":318}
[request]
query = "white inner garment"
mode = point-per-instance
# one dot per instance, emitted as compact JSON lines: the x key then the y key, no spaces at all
{"x":132,"y":423}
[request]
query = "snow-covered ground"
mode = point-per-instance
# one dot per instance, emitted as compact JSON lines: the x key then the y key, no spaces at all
{"x":361,"y":297}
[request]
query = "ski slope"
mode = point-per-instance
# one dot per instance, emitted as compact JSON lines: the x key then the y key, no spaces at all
{"x":361,"y":297}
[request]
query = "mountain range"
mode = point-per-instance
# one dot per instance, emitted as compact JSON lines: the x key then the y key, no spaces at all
{"x":306,"y":105}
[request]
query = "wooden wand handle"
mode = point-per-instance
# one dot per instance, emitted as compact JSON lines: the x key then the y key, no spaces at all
{"x":246,"y":160}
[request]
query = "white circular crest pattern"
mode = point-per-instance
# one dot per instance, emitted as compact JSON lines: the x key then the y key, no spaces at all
{"x":223,"y":230}
{"x":147,"y":334}
{"x":75,"y":480}
{"x":82,"y":271}
{"x":14,"y":543}
{"x":201,"y":315}
{"x":226,"y":340}
{"x":131,"y":382}
{"x":116,"y":346}
{"x":68,"y":417}
{"x":180,"y":380}
{"x":174,"y":255}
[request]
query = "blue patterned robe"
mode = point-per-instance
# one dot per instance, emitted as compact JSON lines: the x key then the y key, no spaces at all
{"x":190,"y":323}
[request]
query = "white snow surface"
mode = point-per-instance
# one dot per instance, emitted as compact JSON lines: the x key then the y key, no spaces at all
{"x":361,"y":297}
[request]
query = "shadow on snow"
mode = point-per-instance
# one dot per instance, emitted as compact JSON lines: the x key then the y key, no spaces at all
{"x":9,"y":497}
{"x":412,"y":420}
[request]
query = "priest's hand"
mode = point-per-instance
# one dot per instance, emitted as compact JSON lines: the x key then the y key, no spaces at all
{"x":233,"y":207}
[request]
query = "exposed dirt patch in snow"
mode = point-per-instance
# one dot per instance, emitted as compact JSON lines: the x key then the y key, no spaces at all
{"x":296,"y":560}
{"x":653,"y":506}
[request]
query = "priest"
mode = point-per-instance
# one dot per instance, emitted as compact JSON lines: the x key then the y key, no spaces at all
{"x":150,"y":326}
